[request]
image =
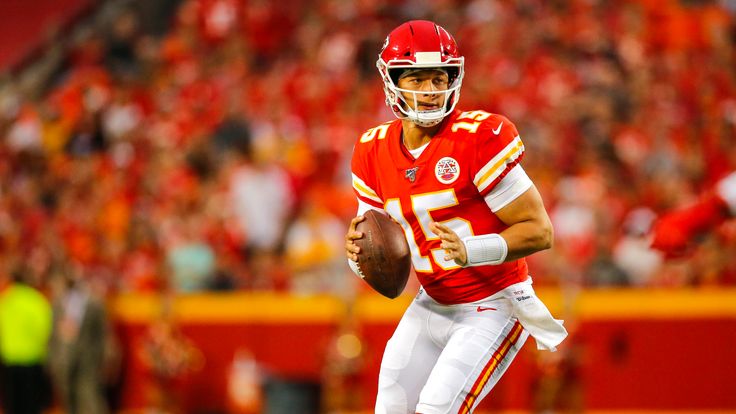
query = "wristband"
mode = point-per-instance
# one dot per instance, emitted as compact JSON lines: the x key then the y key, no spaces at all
{"x":486,"y":249}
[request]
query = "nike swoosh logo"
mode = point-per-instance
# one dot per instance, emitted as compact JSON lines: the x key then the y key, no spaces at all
{"x":497,"y":130}
{"x":482,"y":308}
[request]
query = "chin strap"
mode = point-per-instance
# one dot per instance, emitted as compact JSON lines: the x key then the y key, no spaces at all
{"x":416,"y":118}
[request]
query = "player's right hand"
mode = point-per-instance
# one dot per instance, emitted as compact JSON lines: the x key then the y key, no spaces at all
{"x":454,"y":247}
{"x":351,"y":249}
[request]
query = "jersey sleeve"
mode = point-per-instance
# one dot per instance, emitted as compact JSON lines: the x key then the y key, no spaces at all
{"x":363,"y":178}
{"x":508,"y":189}
{"x":498,"y":150}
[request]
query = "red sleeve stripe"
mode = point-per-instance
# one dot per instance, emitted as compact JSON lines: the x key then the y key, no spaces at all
{"x":498,"y":164}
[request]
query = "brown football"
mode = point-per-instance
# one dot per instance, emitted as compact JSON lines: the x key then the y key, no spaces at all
{"x":384,"y":259}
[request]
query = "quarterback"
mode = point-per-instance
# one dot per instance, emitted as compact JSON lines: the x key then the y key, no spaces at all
{"x":453,"y":180}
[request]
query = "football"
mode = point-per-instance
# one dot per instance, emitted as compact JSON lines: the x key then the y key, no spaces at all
{"x":384,"y":259}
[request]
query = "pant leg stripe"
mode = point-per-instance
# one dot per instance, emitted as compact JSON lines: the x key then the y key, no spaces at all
{"x":490,"y":367}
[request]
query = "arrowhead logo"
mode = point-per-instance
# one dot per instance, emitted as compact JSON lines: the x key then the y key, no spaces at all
{"x":447,"y":170}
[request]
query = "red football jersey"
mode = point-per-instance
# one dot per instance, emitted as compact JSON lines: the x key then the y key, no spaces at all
{"x":461,"y":164}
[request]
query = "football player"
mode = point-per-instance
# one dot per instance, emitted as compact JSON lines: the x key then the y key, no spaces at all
{"x":675,"y":233}
{"x":470,"y":214}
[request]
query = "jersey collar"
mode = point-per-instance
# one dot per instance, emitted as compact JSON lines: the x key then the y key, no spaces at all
{"x":400,"y":154}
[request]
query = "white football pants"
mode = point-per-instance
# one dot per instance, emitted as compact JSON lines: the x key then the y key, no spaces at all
{"x":446,"y":358}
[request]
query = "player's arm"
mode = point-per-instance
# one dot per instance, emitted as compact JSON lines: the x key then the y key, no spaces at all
{"x":529,"y":231}
{"x":368,"y":199}
{"x":509,"y":193}
{"x":366,"y":195}
{"x":352,"y":249}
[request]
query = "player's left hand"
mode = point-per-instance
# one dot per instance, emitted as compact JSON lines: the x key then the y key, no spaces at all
{"x":352,"y":249}
{"x":451,"y":243}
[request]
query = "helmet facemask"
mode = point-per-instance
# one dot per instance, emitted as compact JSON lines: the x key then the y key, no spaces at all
{"x":398,"y":103}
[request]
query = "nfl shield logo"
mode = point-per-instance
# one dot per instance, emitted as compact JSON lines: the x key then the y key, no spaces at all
{"x":411,"y":174}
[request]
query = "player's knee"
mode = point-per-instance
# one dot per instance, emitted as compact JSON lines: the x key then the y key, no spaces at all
{"x":391,"y":396}
{"x":438,"y":402}
{"x":398,"y":354}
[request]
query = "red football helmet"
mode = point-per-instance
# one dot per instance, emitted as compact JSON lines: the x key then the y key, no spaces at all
{"x":420,"y":44}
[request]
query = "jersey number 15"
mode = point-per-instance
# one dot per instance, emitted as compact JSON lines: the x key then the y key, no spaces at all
{"x":422,"y":206}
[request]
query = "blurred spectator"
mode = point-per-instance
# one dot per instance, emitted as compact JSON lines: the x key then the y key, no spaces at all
{"x":702,"y":235}
{"x":169,"y":358}
{"x":262,"y":205}
{"x":559,"y":385}
{"x":233,"y":133}
{"x":603,"y":270}
{"x":678,"y":230}
{"x":631,"y":251}
{"x":88,"y":137}
{"x":141,"y":268}
{"x":312,"y":245}
{"x":342,"y":377}
{"x":25,"y":327}
{"x":83,"y":352}
{"x":190,"y":259}
{"x":244,"y":382}
{"x":121,"y":57}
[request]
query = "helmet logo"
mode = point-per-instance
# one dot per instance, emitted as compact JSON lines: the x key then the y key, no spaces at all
{"x":447,"y":170}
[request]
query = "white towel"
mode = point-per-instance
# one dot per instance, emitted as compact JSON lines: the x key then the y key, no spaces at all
{"x":534,"y":316}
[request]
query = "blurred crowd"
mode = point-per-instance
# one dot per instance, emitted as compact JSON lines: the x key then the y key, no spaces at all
{"x":215,"y":156}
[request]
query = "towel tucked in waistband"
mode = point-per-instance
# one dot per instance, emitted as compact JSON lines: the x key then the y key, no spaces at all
{"x":534,"y":316}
